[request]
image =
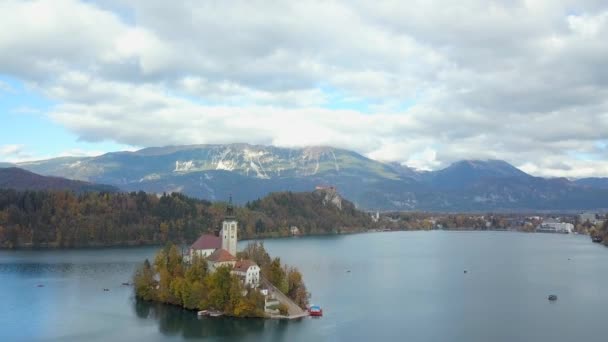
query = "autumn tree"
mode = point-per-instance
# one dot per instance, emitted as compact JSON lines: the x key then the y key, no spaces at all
{"x":144,"y":281}
{"x":276,"y":275}
{"x":296,"y":288}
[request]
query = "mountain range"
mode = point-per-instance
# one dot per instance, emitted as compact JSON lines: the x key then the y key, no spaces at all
{"x":249,"y":172}
{"x":19,"y":179}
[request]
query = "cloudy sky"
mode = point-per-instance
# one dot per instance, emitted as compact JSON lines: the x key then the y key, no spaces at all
{"x":420,"y":82}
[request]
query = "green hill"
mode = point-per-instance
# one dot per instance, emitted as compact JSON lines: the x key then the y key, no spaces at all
{"x":39,"y":219}
{"x":19,"y":179}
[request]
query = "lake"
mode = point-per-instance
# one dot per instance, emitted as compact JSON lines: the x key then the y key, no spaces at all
{"x":401,"y":286}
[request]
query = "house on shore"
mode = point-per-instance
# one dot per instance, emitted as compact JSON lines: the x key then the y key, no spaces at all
{"x":592,"y":218}
{"x":552,"y":225}
{"x":294,"y":231}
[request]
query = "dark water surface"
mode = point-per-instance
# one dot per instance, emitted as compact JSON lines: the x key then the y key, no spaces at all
{"x":402,"y":286}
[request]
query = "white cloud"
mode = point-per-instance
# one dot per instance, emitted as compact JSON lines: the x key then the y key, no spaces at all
{"x":429,"y":82}
{"x":425,"y":160}
{"x":16,"y":153}
{"x":13,"y":153}
{"x":10,"y":149}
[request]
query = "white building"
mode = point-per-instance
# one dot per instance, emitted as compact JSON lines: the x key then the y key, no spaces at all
{"x":551,"y":225}
{"x":248,"y":271}
{"x":376,"y":216}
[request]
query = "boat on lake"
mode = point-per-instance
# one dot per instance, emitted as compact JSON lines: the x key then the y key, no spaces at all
{"x":210,"y":313}
{"x":315,"y":311}
{"x":215,"y":313}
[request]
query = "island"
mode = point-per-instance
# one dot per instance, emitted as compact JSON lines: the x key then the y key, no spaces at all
{"x":213,"y":278}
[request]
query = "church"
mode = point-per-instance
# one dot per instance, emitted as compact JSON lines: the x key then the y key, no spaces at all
{"x":220,"y":250}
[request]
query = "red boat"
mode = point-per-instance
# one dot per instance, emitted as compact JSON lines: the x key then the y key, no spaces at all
{"x":315,"y":311}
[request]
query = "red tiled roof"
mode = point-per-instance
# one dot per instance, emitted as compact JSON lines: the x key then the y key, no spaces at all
{"x":243,"y":265}
{"x":207,"y":241}
{"x":221,"y":255}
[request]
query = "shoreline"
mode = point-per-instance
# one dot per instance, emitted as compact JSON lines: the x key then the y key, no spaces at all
{"x":369,"y":231}
{"x":195,"y":311}
{"x":141,"y":245}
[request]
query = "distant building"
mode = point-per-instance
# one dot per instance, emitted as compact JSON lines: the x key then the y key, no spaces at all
{"x":295,"y":231}
{"x":551,"y":225}
{"x":376,"y":216}
{"x":323,"y":187}
{"x":248,"y":271}
{"x":592,"y":218}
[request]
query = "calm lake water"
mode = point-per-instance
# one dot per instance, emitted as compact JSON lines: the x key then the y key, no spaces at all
{"x":402,"y":286}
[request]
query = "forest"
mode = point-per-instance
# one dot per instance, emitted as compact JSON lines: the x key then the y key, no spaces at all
{"x":168,"y":279}
{"x":65,"y":219}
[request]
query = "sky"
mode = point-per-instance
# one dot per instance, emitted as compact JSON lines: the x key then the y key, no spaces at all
{"x":423,"y":83}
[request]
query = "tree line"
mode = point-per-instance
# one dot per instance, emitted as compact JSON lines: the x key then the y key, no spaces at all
{"x":64,"y":219}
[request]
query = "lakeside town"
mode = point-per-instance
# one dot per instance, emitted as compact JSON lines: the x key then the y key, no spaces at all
{"x":588,"y":222}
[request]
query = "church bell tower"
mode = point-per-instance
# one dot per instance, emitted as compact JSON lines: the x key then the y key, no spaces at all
{"x":229,"y":229}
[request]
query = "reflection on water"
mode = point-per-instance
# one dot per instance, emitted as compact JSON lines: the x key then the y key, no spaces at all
{"x":175,"y":321}
{"x":33,"y":270}
{"x":372,"y":287}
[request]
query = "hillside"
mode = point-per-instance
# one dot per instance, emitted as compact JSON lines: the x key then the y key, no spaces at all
{"x":466,"y":173}
{"x":63,"y":219}
{"x":593,"y":182}
{"x":249,"y":172}
{"x":19,"y":179}
{"x":312,"y":212}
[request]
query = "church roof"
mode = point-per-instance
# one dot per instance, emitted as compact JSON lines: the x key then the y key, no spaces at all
{"x":243,"y":265}
{"x":221,"y":255}
{"x":207,"y":241}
